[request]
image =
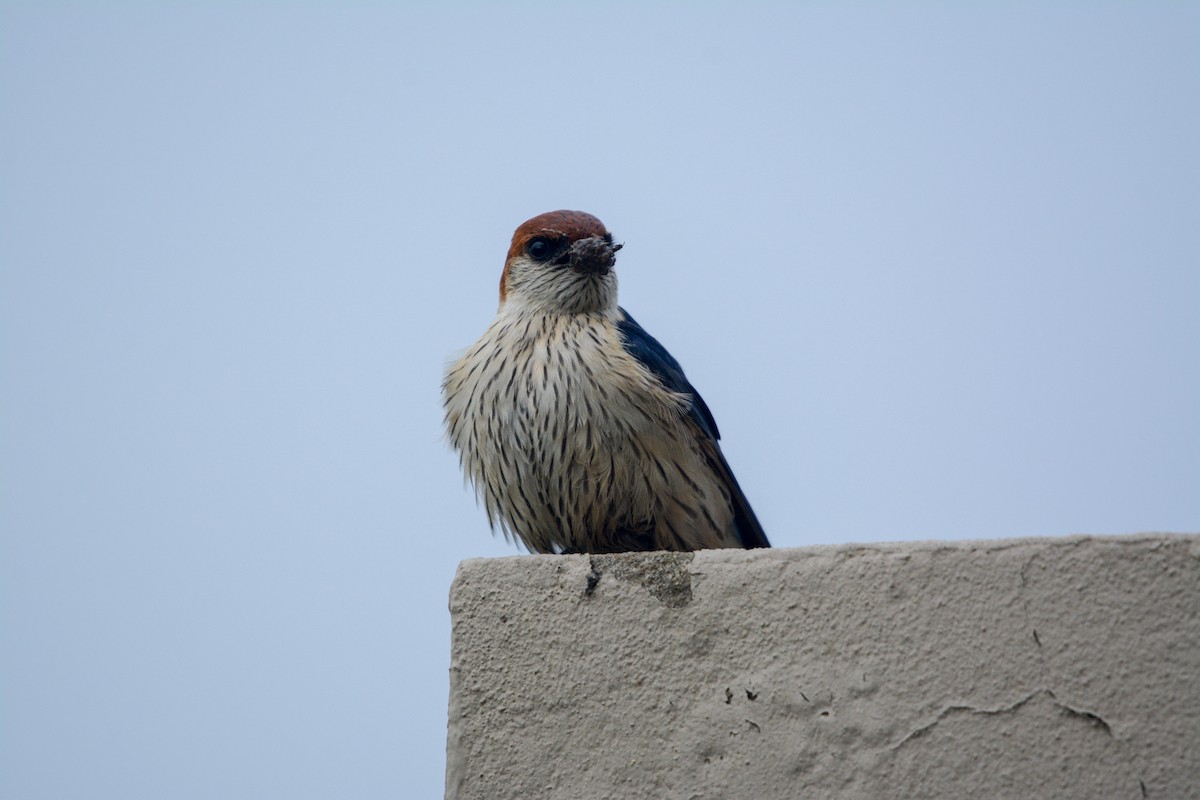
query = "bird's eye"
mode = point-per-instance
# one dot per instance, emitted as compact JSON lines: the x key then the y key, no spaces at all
{"x":540,"y":248}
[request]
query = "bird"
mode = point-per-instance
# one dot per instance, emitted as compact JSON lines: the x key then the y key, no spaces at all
{"x":578,"y":430}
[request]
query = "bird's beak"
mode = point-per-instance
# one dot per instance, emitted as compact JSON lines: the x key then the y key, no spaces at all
{"x":593,"y":255}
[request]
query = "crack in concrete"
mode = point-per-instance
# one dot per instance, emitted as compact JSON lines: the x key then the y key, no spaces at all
{"x":1090,"y":717}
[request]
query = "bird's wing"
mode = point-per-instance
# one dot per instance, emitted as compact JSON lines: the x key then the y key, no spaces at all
{"x":647,"y":350}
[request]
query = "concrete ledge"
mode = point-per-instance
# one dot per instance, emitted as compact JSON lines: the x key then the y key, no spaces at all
{"x":1065,"y":668}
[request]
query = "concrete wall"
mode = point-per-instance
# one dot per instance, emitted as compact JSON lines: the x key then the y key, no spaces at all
{"x":1066,"y":668}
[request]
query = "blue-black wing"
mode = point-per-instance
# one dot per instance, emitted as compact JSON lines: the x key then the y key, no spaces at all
{"x":646,"y":349}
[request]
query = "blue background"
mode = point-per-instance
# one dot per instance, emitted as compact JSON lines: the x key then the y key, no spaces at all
{"x":934,"y":267}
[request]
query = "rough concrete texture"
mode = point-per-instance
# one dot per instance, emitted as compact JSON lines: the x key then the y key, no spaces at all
{"x":1066,"y":668}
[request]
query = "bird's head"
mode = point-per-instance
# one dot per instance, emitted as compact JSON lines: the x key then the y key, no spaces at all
{"x":561,"y":261}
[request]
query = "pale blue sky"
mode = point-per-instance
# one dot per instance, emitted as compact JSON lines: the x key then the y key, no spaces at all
{"x":936,"y":269}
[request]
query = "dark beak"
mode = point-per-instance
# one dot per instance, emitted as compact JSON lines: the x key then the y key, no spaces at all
{"x":593,"y":255}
